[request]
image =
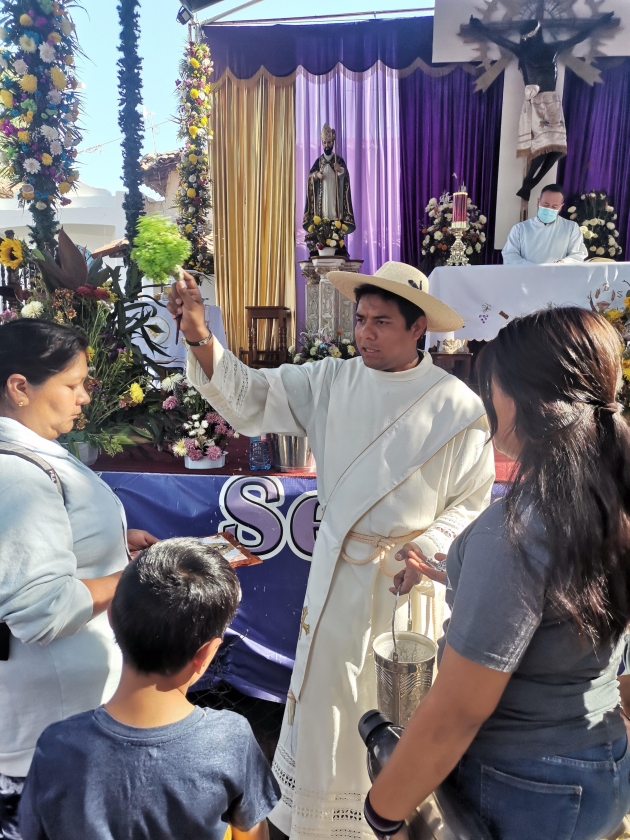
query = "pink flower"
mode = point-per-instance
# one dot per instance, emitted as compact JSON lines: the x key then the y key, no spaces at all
{"x":195,"y":454}
{"x":169,"y":403}
{"x":221,"y":428}
{"x":213,"y":417}
{"x":214,"y":452}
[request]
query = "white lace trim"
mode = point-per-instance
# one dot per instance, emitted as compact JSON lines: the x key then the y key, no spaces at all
{"x":445,"y":529}
{"x":234,"y":381}
{"x":319,"y":814}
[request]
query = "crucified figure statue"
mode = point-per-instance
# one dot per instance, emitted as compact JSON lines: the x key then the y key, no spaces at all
{"x":542,"y":132}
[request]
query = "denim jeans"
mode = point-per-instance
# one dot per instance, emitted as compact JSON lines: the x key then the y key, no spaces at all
{"x":580,"y":796}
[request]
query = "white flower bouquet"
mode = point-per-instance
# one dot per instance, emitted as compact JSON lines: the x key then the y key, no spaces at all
{"x":596,"y":218}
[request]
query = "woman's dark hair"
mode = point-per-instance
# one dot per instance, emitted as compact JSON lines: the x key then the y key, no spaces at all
{"x":407,"y":309}
{"x":562,"y":369}
{"x":176,"y":596}
{"x":37,"y":349}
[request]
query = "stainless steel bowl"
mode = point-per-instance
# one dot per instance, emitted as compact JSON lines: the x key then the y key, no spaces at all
{"x":290,"y":453}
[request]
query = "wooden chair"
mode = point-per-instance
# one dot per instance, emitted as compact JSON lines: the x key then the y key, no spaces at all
{"x":459,"y":364}
{"x":277,"y":320}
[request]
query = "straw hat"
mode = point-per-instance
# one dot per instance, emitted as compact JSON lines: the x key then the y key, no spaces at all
{"x":406,"y":282}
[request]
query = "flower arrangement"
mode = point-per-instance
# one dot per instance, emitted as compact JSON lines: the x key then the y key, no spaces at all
{"x":438,"y":239}
{"x":193,"y":197}
{"x":318,"y":345}
{"x":596,"y":219}
{"x":89,"y":297}
{"x":39,"y":108}
{"x":196,"y":430}
{"x":325,"y":233}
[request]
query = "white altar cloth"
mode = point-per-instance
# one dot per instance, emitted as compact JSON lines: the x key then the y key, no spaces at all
{"x":488,"y":296}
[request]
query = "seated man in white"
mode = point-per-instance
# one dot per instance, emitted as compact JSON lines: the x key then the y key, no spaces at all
{"x":547,"y":238}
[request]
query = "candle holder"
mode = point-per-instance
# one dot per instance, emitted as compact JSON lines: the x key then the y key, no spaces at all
{"x":458,"y":249}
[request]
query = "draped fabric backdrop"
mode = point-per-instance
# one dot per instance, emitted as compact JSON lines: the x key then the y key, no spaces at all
{"x":446,"y":127}
{"x":254,"y":194}
{"x":598,"y":128}
{"x":364,"y":110}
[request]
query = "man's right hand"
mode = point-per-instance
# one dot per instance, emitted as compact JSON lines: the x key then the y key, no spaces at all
{"x":185,"y":301}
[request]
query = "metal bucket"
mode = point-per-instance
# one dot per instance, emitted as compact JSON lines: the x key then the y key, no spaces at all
{"x":404,"y":670}
{"x":290,"y":453}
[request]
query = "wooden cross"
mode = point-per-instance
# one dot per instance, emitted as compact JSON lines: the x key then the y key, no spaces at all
{"x":303,"y":625}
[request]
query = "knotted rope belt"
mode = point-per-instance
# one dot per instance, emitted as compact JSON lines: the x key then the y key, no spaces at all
{"x":381,"y":546}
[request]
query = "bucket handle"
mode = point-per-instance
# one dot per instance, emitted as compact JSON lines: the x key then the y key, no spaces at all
{"x":409,"y":621}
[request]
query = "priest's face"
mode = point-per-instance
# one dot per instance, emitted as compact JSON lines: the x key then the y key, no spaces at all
{"x":328,"y":147}
{"x":382,"y":337}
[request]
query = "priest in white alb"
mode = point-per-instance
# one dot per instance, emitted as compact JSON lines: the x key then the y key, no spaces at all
{"x":403,"y":464}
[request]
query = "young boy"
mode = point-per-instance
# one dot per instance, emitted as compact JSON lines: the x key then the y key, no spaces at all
{"x":149,"y":765}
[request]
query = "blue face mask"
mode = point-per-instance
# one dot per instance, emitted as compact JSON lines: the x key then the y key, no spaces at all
{"x":547,"y":215}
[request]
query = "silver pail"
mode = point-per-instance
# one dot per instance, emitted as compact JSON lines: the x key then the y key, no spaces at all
{"x":404,"y":663}
{"x":290,"y":453}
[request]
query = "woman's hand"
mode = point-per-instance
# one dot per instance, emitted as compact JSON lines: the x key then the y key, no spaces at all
{"x":185,"y":301}
{"x":416,"y":566}
{"x":138,"y":540}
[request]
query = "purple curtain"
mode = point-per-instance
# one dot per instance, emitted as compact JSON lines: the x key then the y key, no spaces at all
{"x":598,"y":130}
{"x":319,"y":48}
{"x":446,"y":127}
{"x":364,"y":111}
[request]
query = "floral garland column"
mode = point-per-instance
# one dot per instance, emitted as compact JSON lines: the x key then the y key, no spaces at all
{"x":39,"y":108}
{"x":194,"y":197}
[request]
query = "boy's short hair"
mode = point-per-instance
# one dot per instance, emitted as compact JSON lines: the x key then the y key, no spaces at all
{"x":173,"y":598}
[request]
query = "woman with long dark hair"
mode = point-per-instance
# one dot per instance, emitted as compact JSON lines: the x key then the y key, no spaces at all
{"x":524,"y":712}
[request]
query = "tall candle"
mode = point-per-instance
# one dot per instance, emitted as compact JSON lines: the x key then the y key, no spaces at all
{"x":460,"y":209}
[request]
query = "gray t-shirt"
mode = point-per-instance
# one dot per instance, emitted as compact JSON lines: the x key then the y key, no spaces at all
{"x":563,"y":694}
{"x":93,"y":778}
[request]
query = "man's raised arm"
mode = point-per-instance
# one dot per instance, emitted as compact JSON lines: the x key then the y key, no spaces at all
{"x":480,"y":29}
{"x":185,"y":302}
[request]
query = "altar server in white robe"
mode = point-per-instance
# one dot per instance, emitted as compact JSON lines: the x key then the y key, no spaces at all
{"x":403,"y":462}
{"x":547,"y":237}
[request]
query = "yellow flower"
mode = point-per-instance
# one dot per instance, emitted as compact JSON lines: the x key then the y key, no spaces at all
{"x":69,"y":59}
{"x":351,"y":350}
{"x":204,"y":121}
{"x":341,"y":243}
{"x":47,"y":159}
{"x":193,"y":158}
{"x":191,"y":193}
{"x":331,"y":243}
{"x":311,"y":228}
{"x":337,"y":224}
{"x":6,"y":97}
{"x":28,"y":117}
{"x":28,"y":83}
{"x":136,"y":394}
{"x":626,"y":302}
{"x":344,"y":228}
{"x":65,"y":187}
{"x":188,"y":228}
{"x":90,"y":354}
{"x":194,"y":93}
{"x":26,"y":20}
{"x":179,"y":448}
{"x":625,"y":365}
{"x":193,"y":131}
{"x":23,"y":136}
{"x":58,"y":78}
{"x":54,"y":38}
{"x":317,"y":220}
{"x":11,"y":253}
{"x":194,"y":63}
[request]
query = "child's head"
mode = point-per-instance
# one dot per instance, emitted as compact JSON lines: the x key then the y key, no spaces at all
{"x":175,"y":597}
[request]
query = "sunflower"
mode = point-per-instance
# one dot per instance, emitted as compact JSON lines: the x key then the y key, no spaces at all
{"x":11,"y":253}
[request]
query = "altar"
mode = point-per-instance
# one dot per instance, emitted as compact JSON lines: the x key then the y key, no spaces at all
{"x":488,"y":296}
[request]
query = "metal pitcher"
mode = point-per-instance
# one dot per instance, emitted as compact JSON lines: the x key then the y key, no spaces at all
{"x":404,"y":663}
{"x":290,"y":453}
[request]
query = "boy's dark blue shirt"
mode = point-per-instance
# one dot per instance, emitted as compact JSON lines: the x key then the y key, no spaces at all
{"x":93,"y":778}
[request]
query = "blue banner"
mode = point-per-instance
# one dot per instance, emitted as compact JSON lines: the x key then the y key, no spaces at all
{"x":277,"y":518}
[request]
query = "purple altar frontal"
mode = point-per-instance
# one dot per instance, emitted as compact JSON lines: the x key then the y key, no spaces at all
{"x":277,"y":518}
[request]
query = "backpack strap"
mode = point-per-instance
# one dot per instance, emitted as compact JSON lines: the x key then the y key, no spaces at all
{"x":38,"y":461}
{"x":33,"y":458}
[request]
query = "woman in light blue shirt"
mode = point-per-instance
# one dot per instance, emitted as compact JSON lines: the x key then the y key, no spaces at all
{"x":60,"y":557}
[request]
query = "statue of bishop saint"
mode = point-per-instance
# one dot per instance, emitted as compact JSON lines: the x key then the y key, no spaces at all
{"x":328,"y":191}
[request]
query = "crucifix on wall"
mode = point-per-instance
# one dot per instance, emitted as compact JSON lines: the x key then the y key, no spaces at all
{"x":541,"y":35}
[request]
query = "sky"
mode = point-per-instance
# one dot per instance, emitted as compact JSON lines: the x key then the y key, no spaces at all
{"x":162,"y":42}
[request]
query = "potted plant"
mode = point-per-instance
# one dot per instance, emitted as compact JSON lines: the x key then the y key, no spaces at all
{"x":325,"y":237}
{"x":438,"y":238}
